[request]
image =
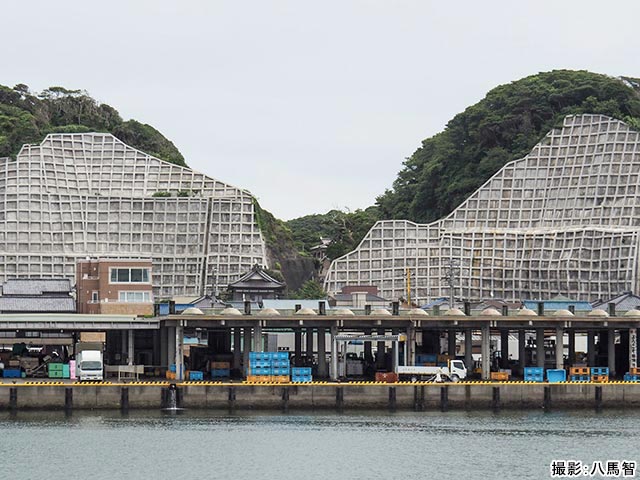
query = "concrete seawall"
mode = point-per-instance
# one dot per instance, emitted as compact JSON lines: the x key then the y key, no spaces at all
{"x":420,"y":397}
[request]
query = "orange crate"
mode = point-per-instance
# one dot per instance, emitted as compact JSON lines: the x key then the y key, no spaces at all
{"x":499,"y":376}
{"x":259,"y":379}
{"x":634,"y":371}
{"x":600,"y":378}
{"x":579,"y":371}
{"x":281,"y":378}
{"x":171,"y":375}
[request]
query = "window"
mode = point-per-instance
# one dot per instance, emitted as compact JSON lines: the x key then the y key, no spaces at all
{"x":95,"y":297}
{"x":134,"y":297}
{"x":130,"y":275}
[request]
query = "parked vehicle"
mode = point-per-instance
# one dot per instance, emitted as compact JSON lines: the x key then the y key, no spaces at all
{"x":89,"y":361}
{"x":453,"y":372}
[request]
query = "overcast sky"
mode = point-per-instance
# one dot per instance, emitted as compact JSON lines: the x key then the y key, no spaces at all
{"x":309,"y":105}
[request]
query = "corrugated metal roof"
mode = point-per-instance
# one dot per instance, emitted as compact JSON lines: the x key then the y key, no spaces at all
{"x":24,"y":286}
{"x":35,"y":304}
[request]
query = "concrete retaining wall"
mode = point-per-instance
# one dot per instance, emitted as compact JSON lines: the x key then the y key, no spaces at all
{"x":338,"y":397}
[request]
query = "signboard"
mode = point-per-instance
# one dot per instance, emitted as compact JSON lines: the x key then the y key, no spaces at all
{"x":633,"y":348}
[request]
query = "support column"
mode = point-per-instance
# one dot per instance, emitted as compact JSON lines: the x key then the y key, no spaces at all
{"x":309,"y":342}
{"x":395,"y":352}
{"x":334,"y":354}
{"x":486,"y":351}
{"x":257,"y":338}
{"x":297,"y":346}
{"x":130,"y":349}
{"x":124,"y":355}
{"x":246,"y":348}
{"x":591,"y":348}
{"x":559,"y":347}
{"x":380,"y":354}
{"x":171,"y":345}
{"x":611,"y":352}
{"x":237,"y":348}
{"x":504,"y":348}
{"x":322,"y":353}
{"x":540,"y":347}
{"x":451,"y":341}
{"x":368,"y":355}
{"x":410,"y":347}
{"x":522,"y":352}
{"x":179,"y":355}
{"x":164,"y":357}
{"x":468,"y":350}
{"x":572,"y":347}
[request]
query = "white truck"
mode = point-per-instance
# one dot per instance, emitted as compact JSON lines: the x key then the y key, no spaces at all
{"x":454,"y":371}
{"x":89,"y":361}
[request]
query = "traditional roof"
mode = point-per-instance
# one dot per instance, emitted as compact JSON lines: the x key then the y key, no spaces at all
{"x":255,"y":279}
{"x":40,"y":286}
{"x":34,"y":304}
{"x":624,"y":302}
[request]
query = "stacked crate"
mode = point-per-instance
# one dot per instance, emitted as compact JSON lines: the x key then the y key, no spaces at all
{"x":599,"y":374}
{"x":55,"y":370}
{"x":268,"y":367}
{"x":220,"y":370}
{"x":301,"y":375}
{"x":534,"y":374}
{"x":633,"y":375}
{"x":281,"y":367}
{"x":579,"y":374}
{"x":195,"y":375}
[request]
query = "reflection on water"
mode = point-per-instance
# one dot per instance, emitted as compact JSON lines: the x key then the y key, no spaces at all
{"x":307,"y":445}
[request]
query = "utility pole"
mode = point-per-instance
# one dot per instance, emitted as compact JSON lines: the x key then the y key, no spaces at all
{"x":452,"y":273}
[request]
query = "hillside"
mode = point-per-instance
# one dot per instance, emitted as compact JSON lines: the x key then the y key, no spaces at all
{"x":27,"y":117}
{"x":502,"y":127}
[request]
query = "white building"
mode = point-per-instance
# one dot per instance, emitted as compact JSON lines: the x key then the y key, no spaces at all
{"x":564,"y":219}
{"x":90,"y":195}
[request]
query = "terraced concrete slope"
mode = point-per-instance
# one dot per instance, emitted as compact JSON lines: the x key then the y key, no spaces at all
{"x":79,"y":195}
{"x":564,"y":219}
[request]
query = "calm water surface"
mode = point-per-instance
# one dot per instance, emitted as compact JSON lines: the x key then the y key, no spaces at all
{"x":202,"y":445}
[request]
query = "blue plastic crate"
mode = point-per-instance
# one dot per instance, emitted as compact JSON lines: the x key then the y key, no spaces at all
{"x":533,"y":377}
{"x":260,"y":364}
{"x":220,"y":372}
{"x":281,"y":371}
{"x":281,"y":356}
{"x":599,"y":371}
{"x":580,"y":378}
{"x":172,"y":368}
{"x":280,"y":363}
{"x":301,"y":379}
{"x":300,"y":371}
{"x":12,"y":373}
{"x":628,"y":377}
{"x":556,"y":375}
{"x":259,"y":357}
{"x":195,"y":375}
{"x":534,"y":370}
{"x":260,"y":371}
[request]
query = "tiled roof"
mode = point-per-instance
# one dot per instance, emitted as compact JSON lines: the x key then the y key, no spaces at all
{"x":35,"y":304}
{"x":36,"y":286}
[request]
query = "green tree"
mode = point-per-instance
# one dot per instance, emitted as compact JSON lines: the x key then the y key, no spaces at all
{"x":310,"y":290}
{"x":504,"y":126}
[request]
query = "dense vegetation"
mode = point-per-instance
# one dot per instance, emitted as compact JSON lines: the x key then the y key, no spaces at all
{"x":345,"y":229}
{"x":310,"y":290}
{"x":27,"y":117}
{"x":504,"y":126}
